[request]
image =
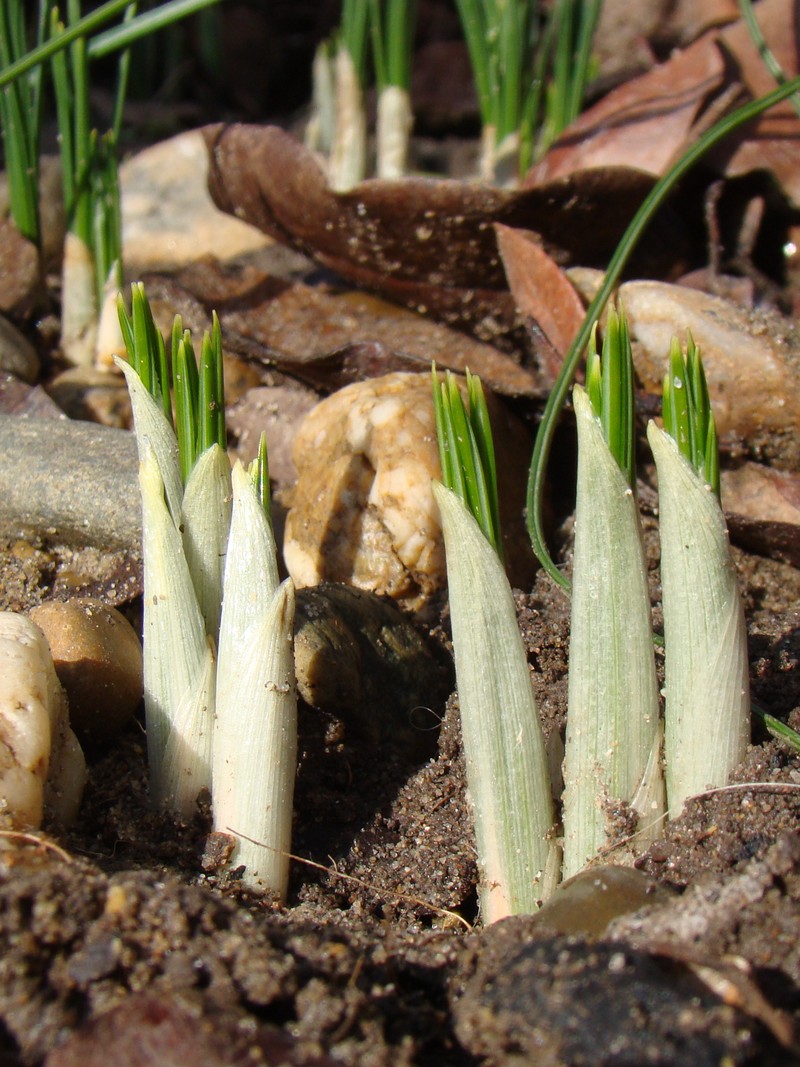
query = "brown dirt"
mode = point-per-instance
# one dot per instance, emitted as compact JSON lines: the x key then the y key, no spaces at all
{"x":369,"y":961}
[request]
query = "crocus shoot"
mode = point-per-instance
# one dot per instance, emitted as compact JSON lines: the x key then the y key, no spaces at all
{"x":707,"y":702}
{"x":507,"y":768}
{"x":220,"y":694}
{"x":613,"y":741}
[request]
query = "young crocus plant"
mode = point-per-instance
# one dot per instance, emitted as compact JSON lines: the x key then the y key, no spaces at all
{"x":226,"y":722}
{"x":392,"y":32}
{"x":707,"y":707}
{"x":507,"y":767}
{"x":348,"y":162}
{"x":613,"y":740}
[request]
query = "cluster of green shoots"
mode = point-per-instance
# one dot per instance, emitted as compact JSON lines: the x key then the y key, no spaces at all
{"x":531,"y":63}
{"x":220,"y":699}
{"x":617,"y":740}
{"x":55,"y":53}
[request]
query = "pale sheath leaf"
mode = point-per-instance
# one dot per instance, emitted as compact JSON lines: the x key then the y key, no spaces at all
{"x":174,"y":631}
{"x":507,"y":766}
{"x":707,"y":709}
{"x":393,"y":129}
{"x":78,"y":302}
{"x":251,"y":571}
{"x":348,"y":162}
{"x":187,"y":753}
{"x":255,"y":747}
{"x":151,"y":426}
{"x":612,"y":721}
{"x":205,"y":519}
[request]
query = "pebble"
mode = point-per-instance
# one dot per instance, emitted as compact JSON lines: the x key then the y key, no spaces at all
{"x":17,"y":354}
{"x":358,"y":657}
{"x":363,"y":512}
{"x":98,"y":660}
{"x":750,"y":359}
{"x":168,"y":218}
{"x":93,"y":396}
{"x":73,"y":479}
{"x":41,"y":763}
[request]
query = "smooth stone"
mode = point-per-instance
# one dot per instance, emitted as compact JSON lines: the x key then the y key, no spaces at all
{"x":586,"y":903}
{"x":751,"y":361}
{"x":98,"y":660}
{"x":21,"y":285}
{"x":75,"y":480}
{"x":52,"y":221}
{"x":358,"y":657}
{"x":17,"y":354}
{"x":363,"y":512}
{"x":168,"y":218}
{"x":93,"y":396}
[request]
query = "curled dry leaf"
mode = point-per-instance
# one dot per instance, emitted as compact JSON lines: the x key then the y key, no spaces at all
{"x":328,"y":339}
{"x":649,"y":121}
{"x":543,"y":295}
{"x":425,"y":243}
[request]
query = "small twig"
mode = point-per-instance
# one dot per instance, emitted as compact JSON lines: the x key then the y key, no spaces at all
{"x":748,"y":787}
{"x":405,"y":897}
{"x":32,"y":839}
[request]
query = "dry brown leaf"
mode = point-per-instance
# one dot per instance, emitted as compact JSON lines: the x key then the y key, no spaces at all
{"x":644,"y":122}
{"x":328,"y":339}
{"x":426,"y":243}
{"x":543,"y":293}
{"x":647,"y":122}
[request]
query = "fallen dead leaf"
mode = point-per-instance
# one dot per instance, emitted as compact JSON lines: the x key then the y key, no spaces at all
{"x":423,"y":242}
{"x":543,"y":294}
{"x":649,"y":121}
{"x":326,"y":338}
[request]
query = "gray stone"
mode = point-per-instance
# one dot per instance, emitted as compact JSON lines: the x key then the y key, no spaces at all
{"x":73,"y":480}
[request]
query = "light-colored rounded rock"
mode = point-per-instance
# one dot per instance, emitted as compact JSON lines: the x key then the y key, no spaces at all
{"x":751,"y":361}
{"x":168,"y":218}
{"x":42,"y":769}
{"x":93,"y":395}
{"x":98,"y":659}
{"x":363,"y":512}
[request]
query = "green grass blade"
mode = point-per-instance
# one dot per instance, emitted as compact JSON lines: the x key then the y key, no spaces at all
{"x":20,"y":119}
{"x":769,"y":58}
{"x":466,"y":451}
{"x":259,"y":472}
{"x":123,"y":74}
{"x":211,"y":394}
{"x":473,"y":23}
{"x":609,"y":388}
{"x":144,"y":25}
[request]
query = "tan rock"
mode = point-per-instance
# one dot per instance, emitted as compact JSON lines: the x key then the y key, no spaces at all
{"x":41,"y":762}
{"x":363,"y":512}
{"x":752,"y":362}
{"x":168,"y":218}
{"x":98,"y":659}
